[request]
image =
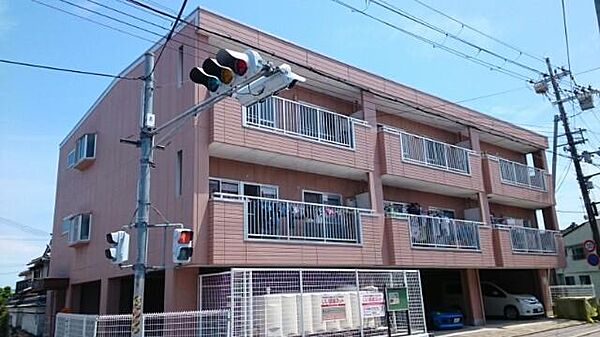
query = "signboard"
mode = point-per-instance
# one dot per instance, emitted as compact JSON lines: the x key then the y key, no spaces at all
{"x":372,"y":305}
{"x":397,"y":299}
{"x":333,"y":307}
{"x":589,"y":245}
{"x":593,"y":260}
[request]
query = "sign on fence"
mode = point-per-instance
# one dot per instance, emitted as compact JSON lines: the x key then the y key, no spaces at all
{"x":333,"y":307}
{"x":373,"y":305}
{"x":397,"y":299}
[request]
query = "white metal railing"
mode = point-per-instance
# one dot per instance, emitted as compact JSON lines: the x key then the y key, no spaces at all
{"x":516,"y":173}
{"x":434,"y":153}
{"x":560,"y":291}
{"x":71,"y":325}
{"x":301,"y":120}
{"x":531,"y":240}
{"x":289,"y":220}
{"x":428,"y":231}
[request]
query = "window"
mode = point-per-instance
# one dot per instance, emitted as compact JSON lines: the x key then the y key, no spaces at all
{"x":322,"y":198}
{"x":79,"y":228}
{"x":585,"y":279}
{"x":179,"y":173}
{"x":577,"y":252}
{"x":489,"y":290}
{"x":85,"y":148}
{"x":65,"y":226}
{"x":71,"y":159}
{"x":441,"y":212}
{"x":180,"y":67}
{"x":570,"y":280}
{"x":218,"y":185}
{"x":395,"y":207}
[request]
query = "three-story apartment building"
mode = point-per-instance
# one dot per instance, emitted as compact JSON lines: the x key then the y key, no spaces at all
{"x":346,"y":170}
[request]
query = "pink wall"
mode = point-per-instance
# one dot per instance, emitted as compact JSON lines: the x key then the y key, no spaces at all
{"x":503,"y":152}
{"x":418,"y":128}
{"x":334,"y":104}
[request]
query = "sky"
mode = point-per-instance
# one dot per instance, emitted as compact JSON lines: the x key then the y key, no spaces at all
{"x":40,"y":107}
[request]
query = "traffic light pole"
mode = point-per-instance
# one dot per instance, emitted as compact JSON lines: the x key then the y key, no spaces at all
{"x":143,"y":197}
{"x":581,"y":179}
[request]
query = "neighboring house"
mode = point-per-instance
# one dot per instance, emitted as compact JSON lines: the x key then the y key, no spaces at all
{"x":347,"y":170}
{"x":578,"y":271}
{"x":27,"y":308}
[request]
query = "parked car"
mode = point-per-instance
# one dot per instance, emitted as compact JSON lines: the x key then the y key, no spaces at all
{"x":445,"y":319}
{"x":499,"y":302}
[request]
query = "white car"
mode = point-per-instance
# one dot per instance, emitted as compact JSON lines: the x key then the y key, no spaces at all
{"x":499,"y":302}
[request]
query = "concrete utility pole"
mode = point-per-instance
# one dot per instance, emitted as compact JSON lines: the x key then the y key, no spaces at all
{"x":146,"y":145}
{"x":581,"y":179}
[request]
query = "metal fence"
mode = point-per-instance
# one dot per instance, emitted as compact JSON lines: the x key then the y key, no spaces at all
{"x":302,"y":120}
{"x":279,"y":219}
{"x":428,"y":231}
{"x":208,"y":323}
{"x":532,"y":240}
{"x":433,"y":153}
{"x":517,"y":173}
{"x":561,"y":291}
{"x":313,"y":302}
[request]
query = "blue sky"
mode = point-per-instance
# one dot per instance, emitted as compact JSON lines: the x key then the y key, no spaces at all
{"x":40,"y":107}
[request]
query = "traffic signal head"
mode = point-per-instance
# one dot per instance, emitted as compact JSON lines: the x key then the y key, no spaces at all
{"x":182,"y":245}
{"x":213,"y":68}
{"x":282,"y":79}
{"x":119,"y":247}
{"x":199,"y":76}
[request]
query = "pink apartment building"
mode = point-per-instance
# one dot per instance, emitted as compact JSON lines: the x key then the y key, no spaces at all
{"x":346,"y":170}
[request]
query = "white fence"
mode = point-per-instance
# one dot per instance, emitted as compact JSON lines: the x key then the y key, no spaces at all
{"x":435,"y":154}
{"x":208,"y":323}
{"x":533,"y":240}
{"x":435,"y":232}
{"x":516,"y":173}
{"x":587,"y":290}
{"x":301,"y":120}
{"x":313,"y":302}
{"x":278,"y":219}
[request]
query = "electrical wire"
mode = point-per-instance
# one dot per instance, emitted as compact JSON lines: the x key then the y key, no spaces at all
{"x":473,"y":59}
{"x":170,"y":35}
{"x":562,"y":180}
{"x":564,"y":16}
{"x":521,"y":52}
{"x":25,"y":228}
{"x":75,"y":71}
{"x":407,"y":15}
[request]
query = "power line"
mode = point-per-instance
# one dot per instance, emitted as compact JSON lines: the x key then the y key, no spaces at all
{"x":564,"y":15}
{"x":424,"y":23}
{"x":170,"y":35}
{"x":521,"y":52}
{"x":23,"y":227}
{"x":587,"y":71}
{"x":473,"y":59}
{"x":562,"y":180}
{"x":76,"y":71}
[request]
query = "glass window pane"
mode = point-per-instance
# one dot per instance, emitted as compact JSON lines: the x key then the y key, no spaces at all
{"x":230,"y":187}
{"x":85,"y":227}
{"x":316,"y":198}
{"x":268,"y":192}
{"x":90,"y":149}
{"x":214,"y":186}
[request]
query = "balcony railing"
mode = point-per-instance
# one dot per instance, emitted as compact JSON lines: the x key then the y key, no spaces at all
{"x":434,"y":232}
{"x":516,"y":173}
{"x":301,"y":120}
{"x":23,"y":285}
{"x":287,"y":220}
{"x":531,"y":240}
{"x":435,"y":154}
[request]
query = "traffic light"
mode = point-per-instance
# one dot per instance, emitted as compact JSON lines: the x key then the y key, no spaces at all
{"x":227,"y":70}
{"x":283,"y":78}
{"x":119,"y":250}
{"x":182,"y":245}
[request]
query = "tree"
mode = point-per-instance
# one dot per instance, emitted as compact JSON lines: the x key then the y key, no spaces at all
{"x":5,"y":294}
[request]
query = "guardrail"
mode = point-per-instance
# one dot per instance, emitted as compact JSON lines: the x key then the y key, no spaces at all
{"x":433,"y":153}
{"x":519,"y":174}
{"x":531,"y":240}
{"x":560,"y":291}
{"x":301,"y":120}
{"x":288,"y":220}
{"x":434,"y":232}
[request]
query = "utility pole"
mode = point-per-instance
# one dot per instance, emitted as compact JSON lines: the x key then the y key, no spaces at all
{"x":581,"y":179}
{"x":146,"y":145}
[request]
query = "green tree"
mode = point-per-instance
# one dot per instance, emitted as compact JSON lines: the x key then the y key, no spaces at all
{"x":5,"y":294}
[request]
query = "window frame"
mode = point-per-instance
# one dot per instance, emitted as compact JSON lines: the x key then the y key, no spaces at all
{"x":76,"y":222}
{"x":179,"y":174}
{"x":570,"y":277}
{"x":404,"y":205}
{"x":580,"y":252}
{"x":587,"y":282}
{"x":241,"y":185}
{"x":324,"y":194}
{"x":441,"y":210}
{"x":180,"y":67}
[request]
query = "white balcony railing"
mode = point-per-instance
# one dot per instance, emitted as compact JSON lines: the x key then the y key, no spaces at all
{"x":278,"y":219}
{"x":532,"y":240}
{"x":435,"y":154}
{"x":428,"y":231}
{"x":301,"y":120}
{"x":516,"y":173}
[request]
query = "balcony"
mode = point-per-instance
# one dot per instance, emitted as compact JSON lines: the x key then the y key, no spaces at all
{"x":419,"y":240}
{"x":416,"y":162}
{"x":23,"y":285}
{"x":523,"y":247}
{"x":516,"y":184}
{"x":263,"y":231}
{"x":288,"y":134}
